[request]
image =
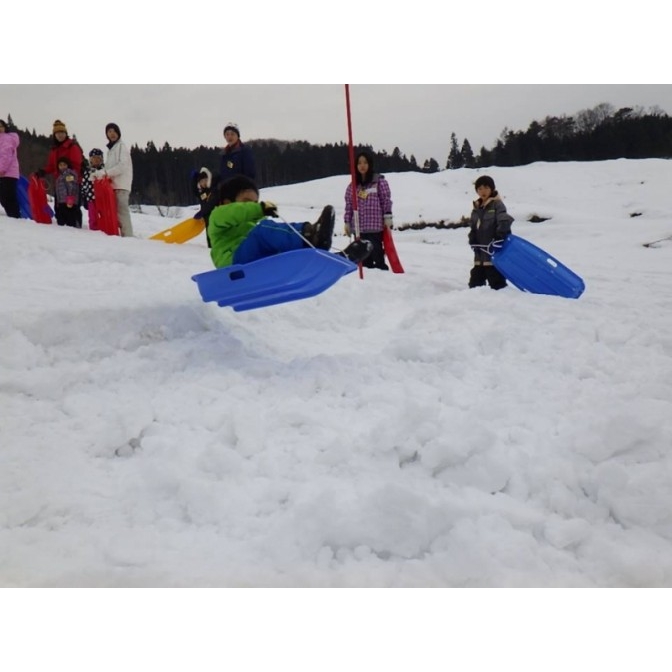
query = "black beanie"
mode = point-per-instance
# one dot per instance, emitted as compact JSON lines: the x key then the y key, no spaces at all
{"x":484,"y":181}
{"x":229,"y":189}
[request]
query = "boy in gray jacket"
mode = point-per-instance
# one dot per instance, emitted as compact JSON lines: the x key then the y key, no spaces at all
{"x":490,"y":224}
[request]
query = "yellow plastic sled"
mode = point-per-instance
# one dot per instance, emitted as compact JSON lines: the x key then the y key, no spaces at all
{"x":182,"y":232}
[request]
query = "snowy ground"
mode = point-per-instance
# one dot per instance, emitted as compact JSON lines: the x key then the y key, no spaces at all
{"x":395,"y":431}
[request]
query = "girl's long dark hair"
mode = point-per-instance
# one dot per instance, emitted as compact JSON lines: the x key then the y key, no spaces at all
{"x":368,"y":176}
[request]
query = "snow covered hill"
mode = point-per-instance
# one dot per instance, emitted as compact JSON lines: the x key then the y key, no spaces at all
{"x":400,"y":430}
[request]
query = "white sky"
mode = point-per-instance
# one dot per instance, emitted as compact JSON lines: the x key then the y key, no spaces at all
{"x":417,"y":75}
{"x":419,"y":119}
{"x":395,"y":431}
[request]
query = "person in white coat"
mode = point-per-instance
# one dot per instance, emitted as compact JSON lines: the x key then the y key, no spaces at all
{"x":119,"y":168}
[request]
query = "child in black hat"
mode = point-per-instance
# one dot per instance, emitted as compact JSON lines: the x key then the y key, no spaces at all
{"x":94,"y":163}
{"x":203,"y":185}
{"x":490,"y":225}
{"x":237,"y":157}
{"x":67,"y":195}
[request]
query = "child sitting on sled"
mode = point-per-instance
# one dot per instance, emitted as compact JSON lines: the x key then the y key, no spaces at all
{"x":241,"y":230}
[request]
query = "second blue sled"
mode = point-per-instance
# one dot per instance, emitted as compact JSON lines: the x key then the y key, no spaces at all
{"x":22,"y":197}
{"x":533,"y":270}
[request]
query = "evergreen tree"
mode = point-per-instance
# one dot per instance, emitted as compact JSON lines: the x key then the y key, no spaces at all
{"x":467,"y":155}
{"x":431,"y":166}
{"x":454,"y":156}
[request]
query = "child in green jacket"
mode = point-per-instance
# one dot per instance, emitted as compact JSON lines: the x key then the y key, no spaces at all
{"x":241,"y":231}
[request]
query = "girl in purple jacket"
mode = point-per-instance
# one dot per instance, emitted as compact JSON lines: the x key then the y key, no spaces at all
{"x":9,"y":170}
{"x":374,"y":207}
{"x":67,"y":195}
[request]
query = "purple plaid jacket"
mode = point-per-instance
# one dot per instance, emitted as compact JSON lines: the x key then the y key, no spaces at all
{"x":67,"y":184}
{"x":373,"y":201}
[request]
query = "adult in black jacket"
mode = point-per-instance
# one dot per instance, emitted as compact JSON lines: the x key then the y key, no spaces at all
{"x":237,"y":158}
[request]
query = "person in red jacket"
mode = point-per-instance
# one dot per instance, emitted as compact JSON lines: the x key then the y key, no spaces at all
{"x":64,"y":147}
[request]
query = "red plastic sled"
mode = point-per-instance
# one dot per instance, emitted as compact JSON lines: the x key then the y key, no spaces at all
{"x":106,"y":206}
{"x":37,"y":197}
{"x":391,"y":251}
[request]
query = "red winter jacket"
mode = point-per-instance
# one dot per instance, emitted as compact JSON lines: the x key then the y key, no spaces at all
{"x":71,"y":151}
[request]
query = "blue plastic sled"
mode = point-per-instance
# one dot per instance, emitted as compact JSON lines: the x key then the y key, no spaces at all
{"x":289,"y":276}
{"x":532,"y":270}
{"x":22,"y":196}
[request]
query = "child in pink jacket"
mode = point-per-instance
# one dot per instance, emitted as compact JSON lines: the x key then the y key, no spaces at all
{"x":9,"y":170}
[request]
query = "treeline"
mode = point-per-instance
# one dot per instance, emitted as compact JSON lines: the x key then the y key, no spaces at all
{"x":162,"y":176}
{"x":596,"y":134}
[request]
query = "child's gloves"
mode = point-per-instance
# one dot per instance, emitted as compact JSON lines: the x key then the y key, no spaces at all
{"x":269,"y":209}
{"x":387,"y":220}
{"x":70,"y":201}
{"x":496,"y":245}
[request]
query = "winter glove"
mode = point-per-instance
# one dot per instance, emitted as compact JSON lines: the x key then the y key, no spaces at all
{"x":70,"y":201}
{"x":269,"y":209}
{"x":346,"y":230}
{"x":496,"y":245}
{"x":387,"y":220}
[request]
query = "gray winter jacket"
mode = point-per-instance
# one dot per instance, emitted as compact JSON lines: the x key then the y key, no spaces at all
{"x":489,"y":221}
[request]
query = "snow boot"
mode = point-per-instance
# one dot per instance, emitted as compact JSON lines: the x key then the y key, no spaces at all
{"x":357,"y":251}
{"x":320,"y":234}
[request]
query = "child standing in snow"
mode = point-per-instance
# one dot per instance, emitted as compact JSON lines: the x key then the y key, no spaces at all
{"x":490,"y":225}
{"x":68,"y":148}
{"x":203,"y":189}
{"x":94,"y":163}
{"x":241,"y":231}
{"x":374,"y":207}
{"x":67,"y":195}
{"x":237,"y":158}
{"x":9,"y":170}
{"x":119,"y":168}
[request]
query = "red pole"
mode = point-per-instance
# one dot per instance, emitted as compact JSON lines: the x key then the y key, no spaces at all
{"x":351,"y":150}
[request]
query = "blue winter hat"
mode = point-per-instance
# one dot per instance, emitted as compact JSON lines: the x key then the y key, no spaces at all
{"x":96,"y":152}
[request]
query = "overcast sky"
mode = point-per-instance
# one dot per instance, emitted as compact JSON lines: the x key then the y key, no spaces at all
{"x":419,"y":119}
{"x":418,"y":76}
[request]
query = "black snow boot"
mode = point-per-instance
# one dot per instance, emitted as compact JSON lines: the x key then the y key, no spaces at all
{"x":320,"y":234}
{"x":357,"y":251}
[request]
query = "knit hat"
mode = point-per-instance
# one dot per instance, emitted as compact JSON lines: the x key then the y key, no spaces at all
{"x":204,"y":174}
{"x":114,"y":127}
{"x":484,"y":181}
{"x":229,"y":189}
{"x":59,"y":126}
{"x":232,"y":126}
{"x":95,"y":152}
